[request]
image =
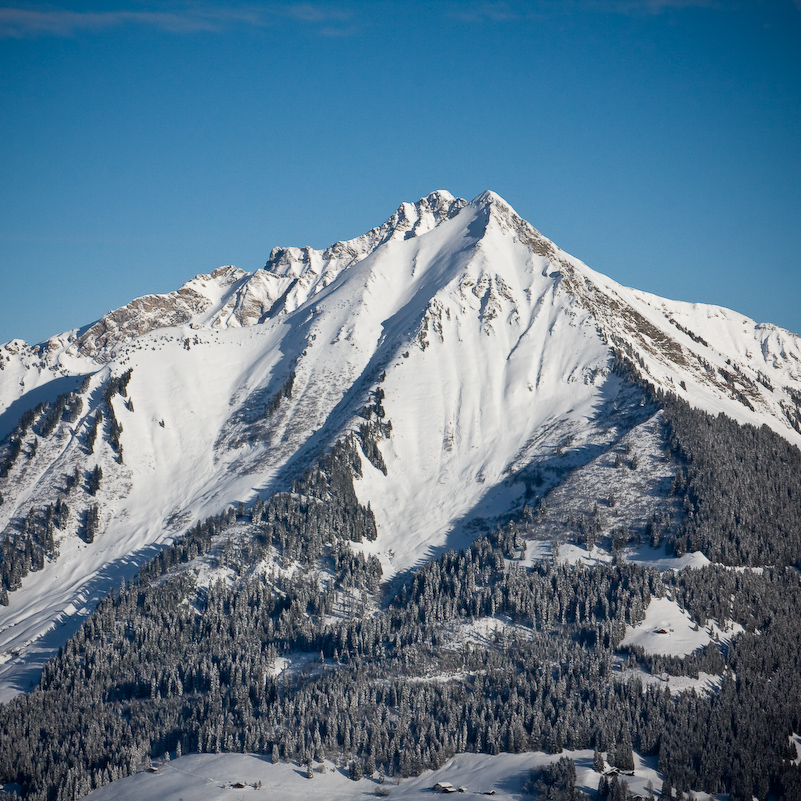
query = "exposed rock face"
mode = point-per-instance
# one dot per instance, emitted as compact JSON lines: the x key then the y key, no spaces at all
{"x":139,"y":317}
{"x":236,"y":299}
{"x":151,"y":312}
{"x":293,"y":275}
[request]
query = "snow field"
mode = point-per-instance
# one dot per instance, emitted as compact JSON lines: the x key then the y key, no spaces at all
{"x":212,"y":777}
{"x":669,"y":630}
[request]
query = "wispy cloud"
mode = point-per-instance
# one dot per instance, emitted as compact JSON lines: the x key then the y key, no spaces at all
{"x":311,"y":12}
{"x":495,"y":12}
{"x":649,"y":6}
{"x":23,"y":23}
{"x":511,"y":11}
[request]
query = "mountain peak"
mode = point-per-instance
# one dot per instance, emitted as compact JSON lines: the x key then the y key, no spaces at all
{"x":509,"y":252}
{"x":415,"y":219}
{"x":494,"y":203}
{"x":439,"y":197}
{"x":488,"y":198}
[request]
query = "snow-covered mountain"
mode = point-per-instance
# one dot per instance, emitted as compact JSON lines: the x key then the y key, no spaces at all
{"x":471,"y":351}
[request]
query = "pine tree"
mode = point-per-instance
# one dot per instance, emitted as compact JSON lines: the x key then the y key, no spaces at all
{"x":624,"y":754}
{"x":93,"y":482}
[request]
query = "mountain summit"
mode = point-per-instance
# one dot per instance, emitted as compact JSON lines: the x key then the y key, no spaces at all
{"x":467,"y":356}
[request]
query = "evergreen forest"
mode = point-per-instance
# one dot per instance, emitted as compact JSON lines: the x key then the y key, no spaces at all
{"x":187,"y":657}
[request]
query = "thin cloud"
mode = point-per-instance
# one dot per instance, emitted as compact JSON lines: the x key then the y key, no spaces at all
{"x":21,"y":23}
{"x":488,"y":12}
{"x":494,"y":12}
{"x":309,"y":12}
{"x":25,"y":23}
{"x":651,"y":6}
{"x":658,"y":6}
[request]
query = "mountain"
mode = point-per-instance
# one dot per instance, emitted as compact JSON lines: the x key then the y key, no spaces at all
{"x":492,"y":348}
{"x":468,"y":373}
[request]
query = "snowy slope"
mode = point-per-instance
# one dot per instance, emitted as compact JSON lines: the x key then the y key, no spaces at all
{"x":492,"y":347}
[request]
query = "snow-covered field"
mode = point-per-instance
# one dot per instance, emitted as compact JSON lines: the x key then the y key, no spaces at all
{"x":215,"y":777}
{"x":704,"y":684}
{"x":669,"y":630}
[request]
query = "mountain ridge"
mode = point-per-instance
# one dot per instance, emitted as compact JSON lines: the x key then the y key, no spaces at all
{"x":239,"y":298}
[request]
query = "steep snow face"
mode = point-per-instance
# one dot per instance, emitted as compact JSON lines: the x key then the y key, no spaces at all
{"x":503,"y":366}
{"x":492,"y":350}
{"x":714,"y":358}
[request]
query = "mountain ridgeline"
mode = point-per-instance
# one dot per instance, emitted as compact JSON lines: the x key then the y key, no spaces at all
{"x":415,"y":495}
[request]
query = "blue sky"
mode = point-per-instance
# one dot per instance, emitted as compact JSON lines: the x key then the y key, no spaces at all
{"x":143,"y":143}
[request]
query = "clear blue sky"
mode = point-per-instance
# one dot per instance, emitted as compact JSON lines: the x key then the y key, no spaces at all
{"x":143,"y":143}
